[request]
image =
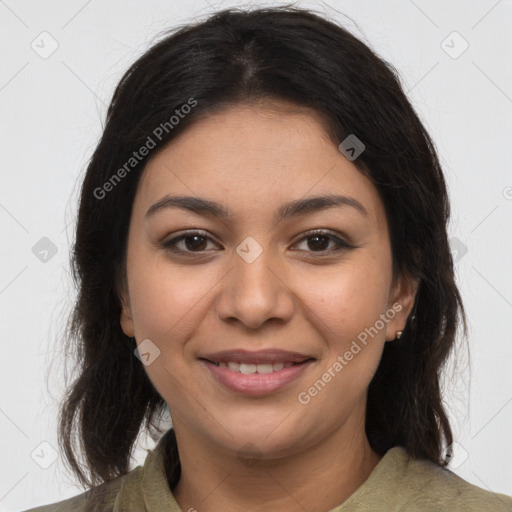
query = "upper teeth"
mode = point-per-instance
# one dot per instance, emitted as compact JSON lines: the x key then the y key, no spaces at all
{"x":248,"y":368}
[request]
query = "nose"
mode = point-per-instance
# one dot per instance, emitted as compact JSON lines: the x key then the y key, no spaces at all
{"x":255,"y":293}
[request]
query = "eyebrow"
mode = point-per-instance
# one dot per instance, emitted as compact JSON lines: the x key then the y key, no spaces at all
{"x":295,"y":208}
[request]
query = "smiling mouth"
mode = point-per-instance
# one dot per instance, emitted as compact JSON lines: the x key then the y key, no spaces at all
{"x":261,"y":368}
{"x":258,"y":373}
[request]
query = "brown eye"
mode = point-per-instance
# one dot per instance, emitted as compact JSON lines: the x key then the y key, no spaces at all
{"x":320,"y":241}
{"x":190,"y":242}
{"x":195,"y":242}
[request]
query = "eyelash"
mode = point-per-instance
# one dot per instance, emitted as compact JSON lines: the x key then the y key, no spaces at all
{"x":171,"y":244}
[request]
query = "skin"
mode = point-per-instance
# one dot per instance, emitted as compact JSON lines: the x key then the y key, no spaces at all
{"x":269,"y":452}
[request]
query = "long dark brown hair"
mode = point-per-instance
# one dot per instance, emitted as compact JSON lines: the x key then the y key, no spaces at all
{"x":283,"y":53}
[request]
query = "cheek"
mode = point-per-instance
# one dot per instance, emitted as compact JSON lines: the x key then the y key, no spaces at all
{"x":165,"y":298}
{"x":170,"y":303}
{"x":345,"y":306}
{"x":348,"y":299}
{"x":166,"y":304}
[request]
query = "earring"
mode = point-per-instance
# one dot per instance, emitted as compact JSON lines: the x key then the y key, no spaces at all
{"x":398,"y":334}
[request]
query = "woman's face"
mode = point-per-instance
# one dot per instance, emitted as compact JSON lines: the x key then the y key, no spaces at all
{"x":256,"y":280}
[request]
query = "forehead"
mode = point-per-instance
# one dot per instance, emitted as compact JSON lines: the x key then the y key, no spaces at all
{"x":252,"y":156}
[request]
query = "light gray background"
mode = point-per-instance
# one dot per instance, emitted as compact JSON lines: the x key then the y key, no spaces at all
{"x":52,"y":111}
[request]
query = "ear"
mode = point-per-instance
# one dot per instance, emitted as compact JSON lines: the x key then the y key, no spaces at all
{"x":401,"y":301}
{"x":126,"y":319}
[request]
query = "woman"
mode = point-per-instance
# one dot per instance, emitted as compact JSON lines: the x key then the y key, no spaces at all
{"x":261,"y":248}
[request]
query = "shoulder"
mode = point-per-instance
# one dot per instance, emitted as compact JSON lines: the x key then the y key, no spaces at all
{"x":435,"y":488}
{"x":143,"y":488}
{"x":100,"y":498}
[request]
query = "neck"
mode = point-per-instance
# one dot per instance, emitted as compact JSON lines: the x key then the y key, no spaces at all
{"x":316,"y":479}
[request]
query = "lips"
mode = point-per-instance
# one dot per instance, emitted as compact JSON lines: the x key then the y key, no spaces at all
{"x":256,"y":384}
{"x":251,"y":357}
{"x":256,"y":373}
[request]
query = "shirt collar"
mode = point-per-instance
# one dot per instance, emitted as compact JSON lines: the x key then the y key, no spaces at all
{"x":155,"y":488}
{"x":390,"y":470}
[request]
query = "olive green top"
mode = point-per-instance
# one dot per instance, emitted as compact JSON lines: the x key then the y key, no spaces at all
{"x":397,"y":483}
